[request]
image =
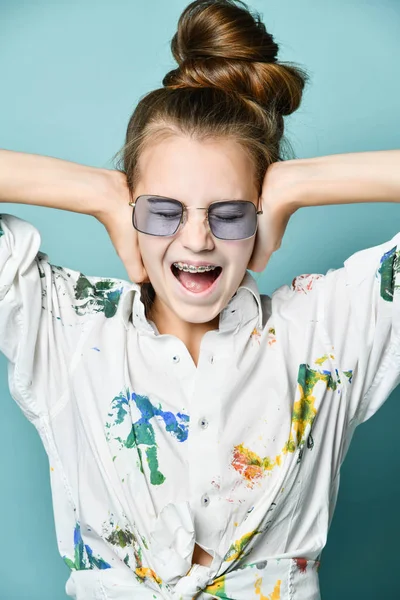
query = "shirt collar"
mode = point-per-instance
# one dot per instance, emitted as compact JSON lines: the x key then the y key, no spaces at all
{"x":244,"y":306}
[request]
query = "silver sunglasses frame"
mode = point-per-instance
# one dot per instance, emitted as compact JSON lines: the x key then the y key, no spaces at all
{"x":183,"y":218}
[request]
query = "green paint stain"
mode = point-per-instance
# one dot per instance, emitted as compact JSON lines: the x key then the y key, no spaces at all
{"x":304,"y":411}
{"x":217,"y":589}
{"x":289,"y":446}
{"x":142,"y":432}
{"x":236,"y":549}
{"x":390,"y":267}
{"x":83,"y":555}
{"x":349,"y":374}
{"x":156,"y":478}
{"x":121,"y":538}
{"x":140,"y":460}
{"x":101,"y":296}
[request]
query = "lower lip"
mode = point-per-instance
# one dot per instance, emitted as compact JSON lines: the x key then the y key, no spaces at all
{"x":204,"y":294}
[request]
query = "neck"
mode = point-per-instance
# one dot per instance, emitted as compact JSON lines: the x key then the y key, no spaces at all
{"x":190,"y":334}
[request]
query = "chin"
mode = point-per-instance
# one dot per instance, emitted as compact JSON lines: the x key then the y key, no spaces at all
{"x":197,"y":315}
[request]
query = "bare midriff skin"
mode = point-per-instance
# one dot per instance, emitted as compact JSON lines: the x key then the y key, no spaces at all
{"x":201,"y":557}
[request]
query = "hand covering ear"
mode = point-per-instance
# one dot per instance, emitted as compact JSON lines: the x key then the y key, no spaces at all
{"x":277,"y":201}
{"x":116,"y":217}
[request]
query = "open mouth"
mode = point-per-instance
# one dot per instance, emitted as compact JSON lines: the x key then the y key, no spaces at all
{"x":196,"y":282}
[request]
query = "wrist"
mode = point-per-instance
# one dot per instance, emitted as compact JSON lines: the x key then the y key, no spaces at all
{"x":111,"y":185}
{"x":291,"y":182}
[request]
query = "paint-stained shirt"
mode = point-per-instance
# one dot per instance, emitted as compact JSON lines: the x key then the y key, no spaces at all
{"x":149,"y":454}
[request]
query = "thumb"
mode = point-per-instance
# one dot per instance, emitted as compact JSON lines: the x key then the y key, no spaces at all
{"x":130,"y":255}
{"x":264,"y":244}
{"x":126,"y":244}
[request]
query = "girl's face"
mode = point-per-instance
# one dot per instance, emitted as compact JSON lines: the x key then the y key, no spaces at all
{"x":196,"y":173}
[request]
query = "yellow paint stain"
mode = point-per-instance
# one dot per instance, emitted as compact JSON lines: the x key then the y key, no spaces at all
{"x":144,"y":572}
{"x":252,"y":466}
{"x":255,"y":335}
{"x":304,"y":410}
{"x":51,"y":469}
{"x":303,"y":413}
{"x":236,"y":549}
{"x":271,"y":336}
{"x":236,"y":523}
{"x":275,"y":595}
{"x":320,"y":361}
{"x":217,"y":587}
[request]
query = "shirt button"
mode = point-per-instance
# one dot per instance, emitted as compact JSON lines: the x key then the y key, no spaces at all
{"x":205,"y":500}
{"x":203,"y":423}
{"x":176,"y":358}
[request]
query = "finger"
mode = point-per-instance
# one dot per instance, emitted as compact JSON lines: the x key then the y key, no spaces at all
{"x":263,"y":246}
{"x":132,"y":258}
{"x":125,"y":240}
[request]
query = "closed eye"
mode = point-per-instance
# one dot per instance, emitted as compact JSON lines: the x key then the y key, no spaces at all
{"x":165,"y":215}
{"x":226,"y":217}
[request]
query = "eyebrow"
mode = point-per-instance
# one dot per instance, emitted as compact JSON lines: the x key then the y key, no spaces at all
{"x":155,"y":197}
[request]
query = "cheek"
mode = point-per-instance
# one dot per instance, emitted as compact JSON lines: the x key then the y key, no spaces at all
{"x":151,"y":251}
{"x":240,"y":252}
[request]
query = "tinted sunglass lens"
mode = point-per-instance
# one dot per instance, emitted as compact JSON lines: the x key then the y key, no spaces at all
{"x":157,"y":216}
{"x":233,"y":220}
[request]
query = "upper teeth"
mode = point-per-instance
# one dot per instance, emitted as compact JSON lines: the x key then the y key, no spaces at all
{"x":193,"y":269}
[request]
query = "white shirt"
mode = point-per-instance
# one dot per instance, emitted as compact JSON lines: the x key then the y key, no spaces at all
{"x":149,"y":454}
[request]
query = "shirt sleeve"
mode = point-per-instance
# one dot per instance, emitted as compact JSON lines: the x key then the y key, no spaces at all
{"x":39,"y":324}
{"x":362,"y":320}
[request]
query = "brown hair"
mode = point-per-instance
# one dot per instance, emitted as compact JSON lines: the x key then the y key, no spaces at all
{"x":228,"y":84}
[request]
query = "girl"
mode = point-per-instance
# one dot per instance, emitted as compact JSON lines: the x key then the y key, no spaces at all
{"x":196,"y":428}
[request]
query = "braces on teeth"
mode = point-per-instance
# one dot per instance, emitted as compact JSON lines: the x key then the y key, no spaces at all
{"x":193,"y":269}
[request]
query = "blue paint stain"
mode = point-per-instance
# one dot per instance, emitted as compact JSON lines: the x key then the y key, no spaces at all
{"x":77,"y":535}
{"x":148,"y":410}
{"x":97,"y":562}
{"x":142,"y":431}
{"x":84,"y":553}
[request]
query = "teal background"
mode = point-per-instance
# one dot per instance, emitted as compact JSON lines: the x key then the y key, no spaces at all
{"x":71,"y":73}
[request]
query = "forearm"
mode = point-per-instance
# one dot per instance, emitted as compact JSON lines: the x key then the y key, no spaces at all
{"x":46,"y":181}
{"x":348,"y":178}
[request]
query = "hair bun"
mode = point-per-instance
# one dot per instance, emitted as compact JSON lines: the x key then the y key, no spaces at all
{"x":220,"y":43}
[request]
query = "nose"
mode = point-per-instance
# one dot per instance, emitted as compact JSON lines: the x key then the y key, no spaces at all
{"x":195,"y":232}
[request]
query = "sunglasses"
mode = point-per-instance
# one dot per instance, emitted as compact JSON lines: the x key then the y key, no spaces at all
{"x":227,"y":220}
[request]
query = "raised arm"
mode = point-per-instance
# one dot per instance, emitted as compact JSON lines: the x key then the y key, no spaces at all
{"x":55,"y":183}
{"x":46,"y":181}
{"x":42,"y":308}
